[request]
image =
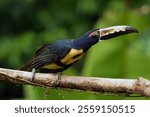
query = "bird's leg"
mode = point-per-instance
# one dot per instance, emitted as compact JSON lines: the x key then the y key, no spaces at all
{"x":33,"y":74}
{"x":59,"y":78}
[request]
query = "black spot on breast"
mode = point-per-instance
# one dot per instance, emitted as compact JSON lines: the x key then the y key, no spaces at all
{"x":76,"y":56}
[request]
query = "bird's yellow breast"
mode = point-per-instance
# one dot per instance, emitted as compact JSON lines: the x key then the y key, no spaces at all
{"x":52,"y":66}
{"x":73,"y":56}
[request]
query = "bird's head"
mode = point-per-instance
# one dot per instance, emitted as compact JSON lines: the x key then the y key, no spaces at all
{"x":110,"y":32}
{"x":93,"y":36}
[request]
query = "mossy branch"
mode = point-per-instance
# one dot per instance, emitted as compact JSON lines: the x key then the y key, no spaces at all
{"x":133,"y":86}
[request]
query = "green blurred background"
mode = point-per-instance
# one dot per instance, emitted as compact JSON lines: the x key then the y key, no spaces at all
{"x":28,"y":24}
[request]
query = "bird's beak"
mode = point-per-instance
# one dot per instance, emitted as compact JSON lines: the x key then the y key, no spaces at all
{"x":115,"y":31}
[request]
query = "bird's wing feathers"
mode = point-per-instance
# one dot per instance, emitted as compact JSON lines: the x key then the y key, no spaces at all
{"x":50,"y":53}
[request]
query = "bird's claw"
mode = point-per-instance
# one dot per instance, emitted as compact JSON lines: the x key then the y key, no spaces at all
{"x":59,"y":78}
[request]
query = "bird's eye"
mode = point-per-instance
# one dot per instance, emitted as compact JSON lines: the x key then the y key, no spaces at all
{"x":97,"y":33}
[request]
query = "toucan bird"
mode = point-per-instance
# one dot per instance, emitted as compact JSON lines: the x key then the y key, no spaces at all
{"x":60,"y":55}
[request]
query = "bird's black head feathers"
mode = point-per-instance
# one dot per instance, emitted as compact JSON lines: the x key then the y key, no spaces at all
{"x":86,"y":41}
{"x":93,"y":36}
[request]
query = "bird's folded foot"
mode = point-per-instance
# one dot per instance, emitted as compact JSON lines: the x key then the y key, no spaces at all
{"x":59,"y":78}
{"x":33,"y":74}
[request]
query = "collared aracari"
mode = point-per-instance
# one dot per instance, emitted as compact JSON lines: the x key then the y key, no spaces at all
{"x":60,"y":55}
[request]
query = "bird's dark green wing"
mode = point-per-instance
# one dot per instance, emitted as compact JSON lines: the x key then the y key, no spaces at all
{"x":50,"y":53}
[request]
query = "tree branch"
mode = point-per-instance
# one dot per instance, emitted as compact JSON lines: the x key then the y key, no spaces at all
{"x":139,"y":86}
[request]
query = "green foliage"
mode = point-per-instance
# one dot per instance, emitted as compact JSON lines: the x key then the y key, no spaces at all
{"x":28,"y":24}
{"x":124,"y":57}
